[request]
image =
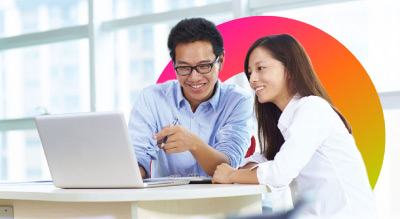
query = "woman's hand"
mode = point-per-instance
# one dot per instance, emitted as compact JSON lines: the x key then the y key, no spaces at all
{"x":226,"y":174}
{"x":223,"y":174}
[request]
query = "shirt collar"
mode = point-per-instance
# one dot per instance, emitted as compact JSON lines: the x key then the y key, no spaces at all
{"x":287,"y":113}
{"x":179,"y":95}
{"x":213,"y":101}
{"x":215,"y":98}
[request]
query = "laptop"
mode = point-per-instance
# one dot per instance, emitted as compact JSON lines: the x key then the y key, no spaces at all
{"x":92,"y":150}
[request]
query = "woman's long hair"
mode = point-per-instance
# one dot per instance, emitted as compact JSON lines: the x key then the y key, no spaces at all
{"x":303,"y":81}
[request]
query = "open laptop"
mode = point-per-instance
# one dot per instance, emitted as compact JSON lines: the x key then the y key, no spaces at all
{"x":92,"y":150}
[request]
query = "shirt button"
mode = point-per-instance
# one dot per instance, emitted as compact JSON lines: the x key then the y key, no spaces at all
{"x":184,"y":108}
{"x":194,"y":118}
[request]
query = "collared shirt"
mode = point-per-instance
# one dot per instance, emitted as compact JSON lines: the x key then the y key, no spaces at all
{"x":223,"y":122}
{"x":318,"y":157}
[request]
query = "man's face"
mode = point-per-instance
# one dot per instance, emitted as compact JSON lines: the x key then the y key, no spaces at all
{"x":197,"y":87}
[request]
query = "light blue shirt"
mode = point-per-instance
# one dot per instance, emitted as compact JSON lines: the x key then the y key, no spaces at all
{"x":223,"y":122}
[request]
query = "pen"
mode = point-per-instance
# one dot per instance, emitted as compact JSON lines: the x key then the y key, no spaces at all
{"x":172,"y":124}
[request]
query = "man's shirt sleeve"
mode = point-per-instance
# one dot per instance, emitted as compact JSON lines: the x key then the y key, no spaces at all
{"x":233,"y":138}
{"x":142,"y":127}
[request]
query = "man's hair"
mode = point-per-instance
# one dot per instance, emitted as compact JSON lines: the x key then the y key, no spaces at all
{"x":193,"y":30}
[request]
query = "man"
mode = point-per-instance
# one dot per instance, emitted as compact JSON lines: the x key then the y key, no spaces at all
{"x":214,"y":119}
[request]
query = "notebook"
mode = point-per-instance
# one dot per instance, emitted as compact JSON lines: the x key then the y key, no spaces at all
{"x":192,"y":179}
{"x":92,"y":150}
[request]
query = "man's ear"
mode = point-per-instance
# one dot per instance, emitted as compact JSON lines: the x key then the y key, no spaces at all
{"x":221,"y":61}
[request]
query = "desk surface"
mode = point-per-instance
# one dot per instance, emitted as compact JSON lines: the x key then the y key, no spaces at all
{"x":47,"y":192}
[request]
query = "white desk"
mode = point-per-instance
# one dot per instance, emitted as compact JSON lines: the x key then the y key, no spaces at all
{"x":46,"y":201}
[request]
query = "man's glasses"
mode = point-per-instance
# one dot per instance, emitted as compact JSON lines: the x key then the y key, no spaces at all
{"x":202,"y":68}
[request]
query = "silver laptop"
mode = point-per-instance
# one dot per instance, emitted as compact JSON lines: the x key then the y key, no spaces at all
{"x":92,"y":150}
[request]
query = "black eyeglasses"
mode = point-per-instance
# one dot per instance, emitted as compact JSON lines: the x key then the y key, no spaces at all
{"x":202,"y":68}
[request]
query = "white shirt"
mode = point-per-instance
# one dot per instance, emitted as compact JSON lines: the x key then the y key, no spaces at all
{"x":318,"y":157}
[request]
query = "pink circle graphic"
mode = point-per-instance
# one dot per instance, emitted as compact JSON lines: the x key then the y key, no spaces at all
{"x":342,"y":75}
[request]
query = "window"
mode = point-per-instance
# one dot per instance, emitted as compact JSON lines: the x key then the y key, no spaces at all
{"x":49,"y":78}
{"x":127,"y":8}
{"x":25,"y":159}
{"x":45,"y":64}
{"x":21,"y":16}
{"x":140,"y":55}
{"x":1,"y":22}
{"x":53,"y":77}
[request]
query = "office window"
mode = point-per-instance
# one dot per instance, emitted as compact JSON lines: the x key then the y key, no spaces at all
{"x":53,"y":78}
{"x":133,"y":35}
{"x":137,"y":56}
{"x":126,"y":8}
{"x":1,"y":22}
{"x":140,"y":56}
{"x":148,"y":65}
{"x":22,"y":16}
{"x":47,"y":73}
{"x":25,"y":159}
{"x":360,"y":26}
{"x":3,"y":157}
{"x":148,"y":39}
{"x":2,"y":85}
{"x":29,"y":19}
{"x":34,"y":156}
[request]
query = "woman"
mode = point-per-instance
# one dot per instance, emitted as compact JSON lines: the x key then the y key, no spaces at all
{"x":306,"y":142}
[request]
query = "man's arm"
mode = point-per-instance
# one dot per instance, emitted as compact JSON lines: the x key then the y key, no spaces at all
{"x":233,"y":140}
{"x":208,"y":157}
{"x":141,"y":127}
{"x":180,"y":139}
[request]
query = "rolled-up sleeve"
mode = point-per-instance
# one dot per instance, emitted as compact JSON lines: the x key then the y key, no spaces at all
{"x":233,"y":138}
{"x":142,"y":127}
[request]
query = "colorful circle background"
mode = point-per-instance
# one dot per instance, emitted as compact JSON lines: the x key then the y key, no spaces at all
{"x":342,"y":75}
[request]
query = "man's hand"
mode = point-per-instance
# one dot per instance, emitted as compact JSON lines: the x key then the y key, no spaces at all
{"x":179,"y":139}
{"x":223,"y":174}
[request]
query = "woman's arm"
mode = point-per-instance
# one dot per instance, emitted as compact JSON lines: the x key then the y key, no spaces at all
{"x":249,"y":165}
{"x":227,"y":175}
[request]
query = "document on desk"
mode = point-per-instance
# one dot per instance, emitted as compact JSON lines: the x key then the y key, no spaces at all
{"x":193,"y":179}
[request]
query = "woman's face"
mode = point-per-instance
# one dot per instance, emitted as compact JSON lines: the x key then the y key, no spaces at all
{"x":268,"y":78}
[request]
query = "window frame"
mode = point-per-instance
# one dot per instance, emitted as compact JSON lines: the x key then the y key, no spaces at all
{"x":100,"y":25}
